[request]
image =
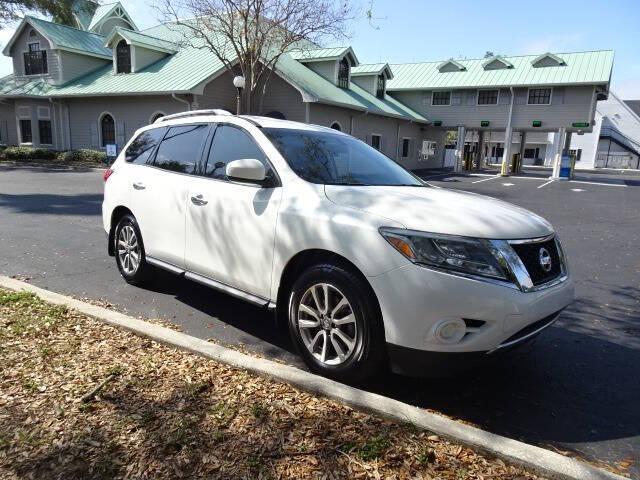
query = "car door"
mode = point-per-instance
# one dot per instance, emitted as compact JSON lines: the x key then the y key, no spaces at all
{"x":159,"y":193}
{"x":230,"y":225}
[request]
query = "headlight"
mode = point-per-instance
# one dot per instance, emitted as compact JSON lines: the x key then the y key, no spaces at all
{"x":470,"y":256}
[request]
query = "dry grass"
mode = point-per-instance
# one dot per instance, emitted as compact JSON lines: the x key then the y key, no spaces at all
{"x":169,"y":414}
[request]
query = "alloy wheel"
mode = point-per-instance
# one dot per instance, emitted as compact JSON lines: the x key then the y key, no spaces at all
{"x":327,"y":324}
{"x":128,"y":250}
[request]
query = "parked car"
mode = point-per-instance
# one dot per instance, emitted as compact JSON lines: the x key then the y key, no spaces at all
{"x":368,"y":264}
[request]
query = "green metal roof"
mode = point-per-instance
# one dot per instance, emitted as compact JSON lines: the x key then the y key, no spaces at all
{"x":369,"y":69}
{"x":317,"y":89}
{"x":372,"y":69}
{"x":69,"y":38}
{"x":10,"y":88}
{"x":142,"y":39}
{"x":320,"y":54}
{"x":581,"y":68}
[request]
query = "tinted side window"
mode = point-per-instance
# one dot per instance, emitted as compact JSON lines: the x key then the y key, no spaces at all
{"x":230,"y":143}
{"x":180,"y":149}
{"x":142,"y":147}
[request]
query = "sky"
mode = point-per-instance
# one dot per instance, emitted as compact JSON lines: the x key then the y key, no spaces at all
{"x":425,"y":30}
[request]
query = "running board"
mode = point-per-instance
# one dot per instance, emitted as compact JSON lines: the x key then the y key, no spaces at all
{"x":263,"y":302}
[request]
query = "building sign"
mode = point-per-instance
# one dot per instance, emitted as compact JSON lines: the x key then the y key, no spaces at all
{"x":536,"y":123}
{"x":112,"y":150}
{"x":580,"y":124}
{"x":437,"y":123}
{"x":484,"y":123}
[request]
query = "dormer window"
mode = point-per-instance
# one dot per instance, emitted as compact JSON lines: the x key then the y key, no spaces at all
{"x":381,"y":86}
{"x":35,"y":60}
{"x":343,"y":73}
{"x":123,"y":57}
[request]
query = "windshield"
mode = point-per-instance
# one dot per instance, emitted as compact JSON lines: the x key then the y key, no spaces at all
{"x":336,"y":159}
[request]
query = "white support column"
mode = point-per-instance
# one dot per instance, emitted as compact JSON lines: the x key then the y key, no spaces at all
{"x":460,"y":148}
{"x":506,"y":155}
{"x":558,"y":147}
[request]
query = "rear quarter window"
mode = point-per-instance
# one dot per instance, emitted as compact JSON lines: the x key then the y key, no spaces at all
{"x":139,"y":151}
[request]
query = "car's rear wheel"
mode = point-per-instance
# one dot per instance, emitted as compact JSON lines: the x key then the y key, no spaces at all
{"x":335,"y":323}
{"x":129,"y":251}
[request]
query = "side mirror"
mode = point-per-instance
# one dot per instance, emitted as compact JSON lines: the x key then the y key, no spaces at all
{"x":248,"y":169}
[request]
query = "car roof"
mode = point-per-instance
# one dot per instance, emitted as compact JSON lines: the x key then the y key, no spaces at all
{"x":217,"y":116}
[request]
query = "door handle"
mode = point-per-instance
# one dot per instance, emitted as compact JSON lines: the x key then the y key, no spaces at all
{"x":139,"y":186}
{"x":198,"y":200}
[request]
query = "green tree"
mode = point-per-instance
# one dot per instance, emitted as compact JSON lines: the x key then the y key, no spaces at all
{"x":60,"y":10}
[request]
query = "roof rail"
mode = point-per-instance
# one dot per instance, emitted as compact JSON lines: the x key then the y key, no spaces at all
{"x":194,"y":113}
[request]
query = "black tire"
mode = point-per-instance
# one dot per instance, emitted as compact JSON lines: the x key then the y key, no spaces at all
{"x":368,"y":357}
{"x":142,"y":273}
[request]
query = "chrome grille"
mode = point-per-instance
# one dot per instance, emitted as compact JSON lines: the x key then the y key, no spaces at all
{"x":529,"y":254}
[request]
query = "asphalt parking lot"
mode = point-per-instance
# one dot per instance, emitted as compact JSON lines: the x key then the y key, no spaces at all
{"x":575,"y":389}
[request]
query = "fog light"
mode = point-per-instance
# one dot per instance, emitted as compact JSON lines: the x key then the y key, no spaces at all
{"x":451,"y":331}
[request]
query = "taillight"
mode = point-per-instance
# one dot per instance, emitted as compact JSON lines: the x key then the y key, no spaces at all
{"x":107,"y":174}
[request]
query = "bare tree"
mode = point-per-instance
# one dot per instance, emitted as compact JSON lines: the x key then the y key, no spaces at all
{"x":250,"y":36}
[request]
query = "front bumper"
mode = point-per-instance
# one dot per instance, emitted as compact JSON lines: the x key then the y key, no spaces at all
{"x":414,"y":300}
{"x":421,"y":363}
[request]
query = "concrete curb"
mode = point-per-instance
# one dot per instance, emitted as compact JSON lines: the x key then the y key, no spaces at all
{"x":535,"y":459}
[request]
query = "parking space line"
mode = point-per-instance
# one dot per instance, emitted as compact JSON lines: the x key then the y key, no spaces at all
{"x":486,"y":179}
{"x":599,"y":183}
{"x":546,"y":183}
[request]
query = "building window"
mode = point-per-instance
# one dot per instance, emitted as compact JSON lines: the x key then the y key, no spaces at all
{"x":343,"y":73}
{"x":488,"y":97}
{"x":123,"y":57}
{"x":107,"y":130}
{"x":380,"y":88}
{"x":45,"y":132}
{"x":376,"y":141}
{"x":406,"y":142}
{"x":336,"y":126}
{"x":441,"y":98}
{"x":539,"y":96}
{"x":25,"y":131}
{"x":35,"y":60}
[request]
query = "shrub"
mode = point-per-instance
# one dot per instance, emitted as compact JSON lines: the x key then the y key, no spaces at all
{"x":28,"y":153}
{"x":83,"y":156}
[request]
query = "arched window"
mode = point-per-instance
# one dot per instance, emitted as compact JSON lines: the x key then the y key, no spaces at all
{"x":343,"y":73}
{"x":156,"y":116}
{"x":336,"y":126}
{"x":381,"y":86}
{"x":123,"y":57}
{"x":107,"y":130}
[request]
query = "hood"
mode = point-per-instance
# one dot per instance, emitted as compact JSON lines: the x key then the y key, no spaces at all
{"x":439,"y":210}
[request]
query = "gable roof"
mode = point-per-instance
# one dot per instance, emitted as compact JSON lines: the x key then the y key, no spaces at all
{"x":450,"y":65}
{"x":372,"y":69}
{"x":323,"y":54}
{"x":141,"y":39}
{"x":582,"y":68}
{"x":550,"y":56}
{"x":104,"y":11}
{"x":64,"y":38}
{"x":496,"y":59}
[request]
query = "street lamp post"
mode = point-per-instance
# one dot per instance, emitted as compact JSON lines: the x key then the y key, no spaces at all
{"x":239,"y":83}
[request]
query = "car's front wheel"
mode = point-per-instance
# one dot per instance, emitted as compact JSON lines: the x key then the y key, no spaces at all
{"x":335,"y":323}
{"x":129,"y":250}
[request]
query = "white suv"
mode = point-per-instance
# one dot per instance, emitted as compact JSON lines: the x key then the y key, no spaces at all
{"x":366,"y":263}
